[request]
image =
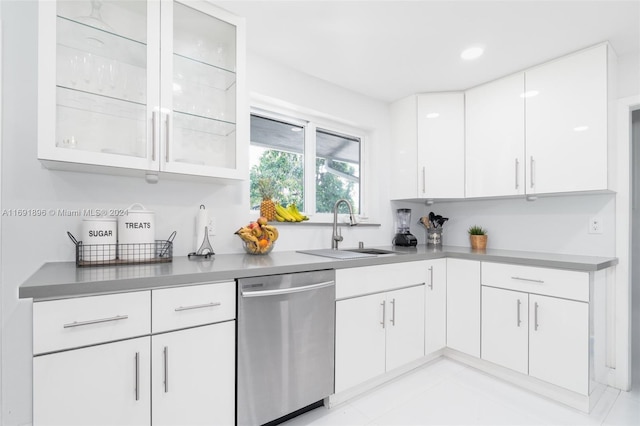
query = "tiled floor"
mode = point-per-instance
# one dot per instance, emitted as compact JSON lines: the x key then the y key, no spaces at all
{"x":448,"y":393}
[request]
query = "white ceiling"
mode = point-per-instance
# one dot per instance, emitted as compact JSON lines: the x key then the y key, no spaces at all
{"x":390,"y":49}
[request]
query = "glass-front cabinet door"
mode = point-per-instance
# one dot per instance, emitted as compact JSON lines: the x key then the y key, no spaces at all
{"x":201,"y":92}
{"x":147,"y":85}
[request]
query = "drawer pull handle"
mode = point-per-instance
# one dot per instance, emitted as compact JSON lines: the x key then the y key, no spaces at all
{"x":205,"y":305}
{"x":528,"y":280}
{"x":166,"y":369}
{"x":384,"y":313}
{"x":518,"y":310}
{"x":96,"y":321}
{"x":137,"y":376}
{"x":535,"y":316}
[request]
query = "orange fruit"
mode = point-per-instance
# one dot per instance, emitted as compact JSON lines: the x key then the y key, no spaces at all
{"x":263,"y":243}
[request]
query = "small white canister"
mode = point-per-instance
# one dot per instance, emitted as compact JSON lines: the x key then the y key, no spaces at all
{"x":99,"y":239}
{"x":136,"y":233}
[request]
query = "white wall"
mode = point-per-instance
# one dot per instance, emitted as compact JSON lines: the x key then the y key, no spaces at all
{"x":628,"y":75}
{"x":549,"y":224}
{"x":27,"y":243}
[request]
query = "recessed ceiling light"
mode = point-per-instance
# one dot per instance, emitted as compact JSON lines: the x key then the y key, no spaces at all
{"x":580,"y":128}
{"x":472,"y":53}
{"x":433,"y":115}
{"x":529,"y":94}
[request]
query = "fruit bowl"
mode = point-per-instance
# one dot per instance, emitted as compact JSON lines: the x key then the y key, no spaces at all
{"x":258,"y":248}
{"x":258,"y":237}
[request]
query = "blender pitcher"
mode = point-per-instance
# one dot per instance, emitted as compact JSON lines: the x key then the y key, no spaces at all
{"x":403,"y":235}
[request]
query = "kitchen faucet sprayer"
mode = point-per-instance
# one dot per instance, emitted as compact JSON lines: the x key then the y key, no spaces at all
{"x":337,"y":236}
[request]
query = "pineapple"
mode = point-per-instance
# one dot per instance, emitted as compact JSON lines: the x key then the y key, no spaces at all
{"x":267,"y":206}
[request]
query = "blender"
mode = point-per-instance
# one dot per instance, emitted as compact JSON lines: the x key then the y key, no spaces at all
{"x":403,"y":236}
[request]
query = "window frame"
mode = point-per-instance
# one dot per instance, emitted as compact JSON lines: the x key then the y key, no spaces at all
{"x":311,"y":121}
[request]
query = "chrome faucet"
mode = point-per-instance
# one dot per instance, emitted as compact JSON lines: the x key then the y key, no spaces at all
{"x":337,"y":236}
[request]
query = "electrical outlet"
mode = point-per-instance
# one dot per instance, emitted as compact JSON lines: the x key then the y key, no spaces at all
{"x":595,"y":225}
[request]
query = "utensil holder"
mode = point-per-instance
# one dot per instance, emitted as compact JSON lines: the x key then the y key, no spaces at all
{"x":434,"y":236}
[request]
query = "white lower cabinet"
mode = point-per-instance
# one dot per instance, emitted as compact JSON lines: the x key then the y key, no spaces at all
{"x":559,"y":342}
{"x":97,"y":361}
{"x":463,"y":306}
{"x":98,"y":385}
{"x":193,"y":372}
{"x":360,"y":340}
{"x":405,"y":326}
{"x":435,"y":310}
{"x":505,"y":328}
{"x":377,"y":333}
{"x":540,"y":335}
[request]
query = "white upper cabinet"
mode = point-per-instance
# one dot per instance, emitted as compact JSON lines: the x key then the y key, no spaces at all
{"x":441,"y":145}
{"x":428,"y":137}
{"x":494,"y":124}
{"x":404,"y":134}
{"x":150,"y":86}
{"x":566,"y":123}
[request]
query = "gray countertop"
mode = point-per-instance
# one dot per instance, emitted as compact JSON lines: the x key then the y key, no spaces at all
{"x":64,"y":279}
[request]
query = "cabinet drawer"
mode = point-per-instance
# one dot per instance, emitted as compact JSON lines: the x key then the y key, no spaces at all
{"x":550,"y":282}
{"x":70,"y":323}
{"x":182,"y":307}
{"x":374,"y":279}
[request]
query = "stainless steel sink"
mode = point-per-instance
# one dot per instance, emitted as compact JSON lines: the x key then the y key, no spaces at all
{"x":372,"y":251}
{"x":349,"y":253}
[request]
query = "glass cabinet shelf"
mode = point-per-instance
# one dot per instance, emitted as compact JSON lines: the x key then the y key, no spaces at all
{"x":201,"y":73}
{"x":95,"y":123}
{"x":85,"y":38}
{"x":202,"y":124}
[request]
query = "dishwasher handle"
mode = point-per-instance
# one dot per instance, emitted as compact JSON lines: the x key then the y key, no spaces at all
{"x":280,"y":291}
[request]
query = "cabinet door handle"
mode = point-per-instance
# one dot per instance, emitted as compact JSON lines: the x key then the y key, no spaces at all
{"x":166,"y":369}
{"x":154,"y":134}
{"x":424,"y":179}
{"x":528,"y":280}
{"x":532,"y":164}
{"x":95,"y":321}
{"x":137,"y":378}
{"x":517,"y":167}
{"x":518,"y":310}
{"x":393,"y":312}
{"x":535,"y":316}
{"x":384,"y":312}
{"x":431,"y":277}
{"x":204,"y":305}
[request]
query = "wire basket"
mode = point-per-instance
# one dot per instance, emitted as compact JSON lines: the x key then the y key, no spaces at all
{"x":160,"y":251}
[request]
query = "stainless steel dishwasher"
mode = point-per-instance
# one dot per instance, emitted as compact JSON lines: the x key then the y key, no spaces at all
{"x":285,"y":344}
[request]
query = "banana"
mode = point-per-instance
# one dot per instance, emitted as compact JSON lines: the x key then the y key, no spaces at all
{"x":296,"y":213}
{"x":279,"y":218}
{"x":273,"y":232}
{"x":293,"y":211}
{"x":284,"y":213}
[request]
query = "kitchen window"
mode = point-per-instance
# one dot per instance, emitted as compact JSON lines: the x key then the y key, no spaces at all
{"x":308,"y":163}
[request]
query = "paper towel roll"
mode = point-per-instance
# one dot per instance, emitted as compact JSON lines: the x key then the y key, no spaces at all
{"x":203,"y":219}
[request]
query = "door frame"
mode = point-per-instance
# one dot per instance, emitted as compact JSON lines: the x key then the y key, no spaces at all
{"x":619,"y":280}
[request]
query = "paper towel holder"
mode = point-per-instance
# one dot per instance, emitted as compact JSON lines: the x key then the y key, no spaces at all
{"x":205,"y":250}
